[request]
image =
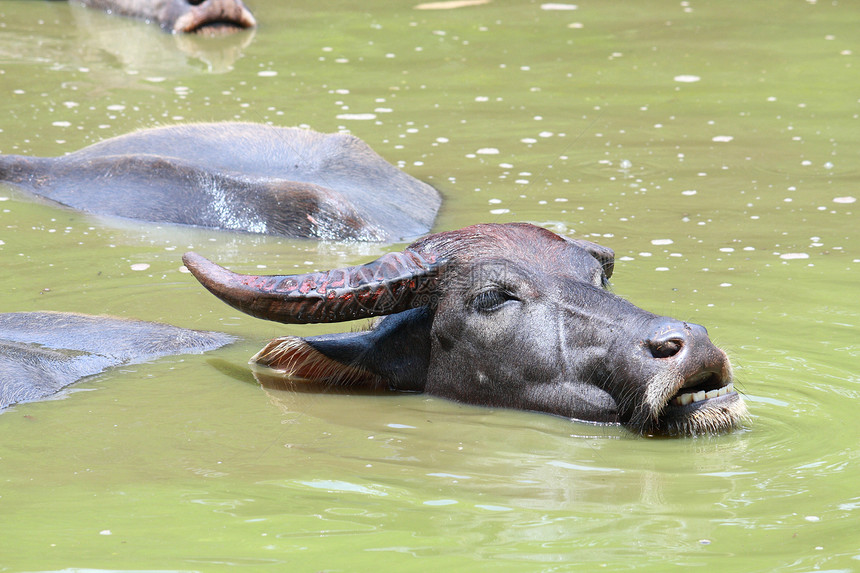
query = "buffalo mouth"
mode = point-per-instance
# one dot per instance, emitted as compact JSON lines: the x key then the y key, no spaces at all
{"x":705,"y":402}
{"x":700,"y":387}
{"x":214,"y":22}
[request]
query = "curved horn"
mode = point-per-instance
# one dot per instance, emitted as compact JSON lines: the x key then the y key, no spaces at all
{"x":392,"y":283}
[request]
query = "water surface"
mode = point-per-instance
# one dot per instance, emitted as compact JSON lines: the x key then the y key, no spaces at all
{"x":713,"y":145}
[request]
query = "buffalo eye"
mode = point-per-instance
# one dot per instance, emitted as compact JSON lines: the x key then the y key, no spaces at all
{"x":491,"y":300}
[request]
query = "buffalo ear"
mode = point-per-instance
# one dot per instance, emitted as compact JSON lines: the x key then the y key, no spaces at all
{"x":394,"y":355}
{"x":604,"y":255}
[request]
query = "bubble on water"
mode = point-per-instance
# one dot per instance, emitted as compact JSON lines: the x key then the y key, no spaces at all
{"x":357,"y":116}
{"x":140,"y":266}
{"x":61,"y":124}
{"x":105,"y":532}
{"x":847,"y":199}
{"x":625,"y":164}
{"x":487,"y":151}
{"x":482,"y":98}
{"x":267,"y":73}
{"x":662,"y":269}
{"x":688,"y":192}
{"x":528,"y":140}
{"x":793,"y":256}
{"x":116,"y":107}
{"x":450,"y":4}
{"x":812,"y":518}
{"x":727,"y":249}
{"x":722,"y":138}
{"x":442,"y":139}
{"x":545,"y":134}
{"x":687,"y":78}
{"x":493,"y":507}
{"x":494,"y":201}
{"x":662,"y":241}
{"x":499,"y":211}
{"x":440,"y":502}
{"x":555,"y":6}
{"x":506,"y":166}
{"x":384,"y":110}
{"x":725,"y":284}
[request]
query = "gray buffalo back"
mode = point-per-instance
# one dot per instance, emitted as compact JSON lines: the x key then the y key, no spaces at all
{"x":43,"y":352}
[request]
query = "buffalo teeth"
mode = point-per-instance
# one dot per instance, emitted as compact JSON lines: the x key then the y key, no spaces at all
{"x":690,"y":397}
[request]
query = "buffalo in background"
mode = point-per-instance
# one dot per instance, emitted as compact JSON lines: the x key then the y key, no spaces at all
{"x":182,"y":16}
{"x":237,"y":176}
{"x":43,"y":352}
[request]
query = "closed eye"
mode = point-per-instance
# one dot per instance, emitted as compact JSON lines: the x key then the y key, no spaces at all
{"x":490,"y":300}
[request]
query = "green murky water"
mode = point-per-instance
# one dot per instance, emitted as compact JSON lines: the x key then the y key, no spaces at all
{"x":714,"y":146}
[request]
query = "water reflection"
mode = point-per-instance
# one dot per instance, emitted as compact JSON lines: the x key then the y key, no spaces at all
{"x":138,"y":48}
{"x":594,"y":135}
{"x":134,"y":47}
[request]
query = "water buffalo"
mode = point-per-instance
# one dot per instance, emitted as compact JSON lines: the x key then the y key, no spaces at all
{"x":237,"y":176}
{"x":183,"y":16}
{"x":43,"y":352}
{"x":510,"y":316}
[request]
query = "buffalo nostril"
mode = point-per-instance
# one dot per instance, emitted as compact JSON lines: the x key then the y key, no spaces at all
{"x":665,"y":348}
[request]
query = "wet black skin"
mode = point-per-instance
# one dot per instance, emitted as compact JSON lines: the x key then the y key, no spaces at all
{"x":237,"y":176}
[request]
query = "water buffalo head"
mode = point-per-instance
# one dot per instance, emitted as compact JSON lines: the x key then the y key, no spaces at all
{"x":510,"y":316}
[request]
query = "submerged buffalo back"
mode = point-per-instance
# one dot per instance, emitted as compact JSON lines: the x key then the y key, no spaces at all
{"x":237,"y":176}
{"x":43,"y":352}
